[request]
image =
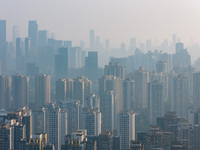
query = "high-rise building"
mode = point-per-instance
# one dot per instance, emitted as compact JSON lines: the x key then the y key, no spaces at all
{"x":69,"y":88}
{"x":108,"y":111}
{"x":161,"y":66}
{"x":112,"y":83}
{"x":61,"y":90}
{"x":92,"y":40}
{"x":107,"y":141}
{"x":33,"y":35}
{"x":91,"y":65}
{"x":42,"y":38}
{"x":196,"y":89}
{"x":36,"y":122}
{"x":15,"y":33}
{"x":155,"y":101}
{"x":28,"y":57}
{"x":20,"y":91}
{"x":3,"y":49}
{"x":62,"y":63}
{"x":82,"y":88}
{"x":4,"y":136}
{"x":5,"y":92}
{"x":42,"y":90}
{"x":73,"y":115}
{"x":126,"y":129}
{"x":128,"y":94}
{"x":92,"y":121}
{"x":180,"y":102}
{"x":115,"y":70}
{"x":55,"y":125}
{"x":19,"y":56}
{"x":141,"y":78}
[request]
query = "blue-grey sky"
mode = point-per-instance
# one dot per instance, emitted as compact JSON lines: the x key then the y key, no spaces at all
{"x":117,"y":20}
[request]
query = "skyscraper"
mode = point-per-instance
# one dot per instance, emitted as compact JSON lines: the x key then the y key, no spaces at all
{"x":115,"y":70}
{"x":3,"y":48}
{"x":42,"y":90}
{"x":91,"y":65}
{"x":61,"y":90}
{"x":82,"y":88}
{"x":92,"y":121}
{"x":126,"y":129}
{"x":20,"y":91}
{"x":141,"y":78}
{"x":112,"y":83}
{"x":55,"y":125}
{"x":155,"y":101}
{"x":5,"y":92}
{"x":128,"y":95}
{"x":108,"y":111}
{"x":33,"y":35}
{"x":92,"y":40}
{"x":196,"y":89}
{"x":19,"y":56}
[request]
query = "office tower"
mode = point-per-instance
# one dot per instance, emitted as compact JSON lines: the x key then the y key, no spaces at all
{"x":92,"y":121}
{"x":3,"y":49}
{"x":36,"y":122}
{"x":42,"y":90}
{"x":91,"y":65}
{"x":107,"y":141}
{"x":73,"y":115}
{"x":15,"y":33}
{"x":5,"y":92}
{"x":155,"y":100}
{"x":107,"y":45}
{"x":33,"y":35}
{"x":67,"y":43}
{"x":196,"y":143}
{"x":126,"y":129}
{"x":196,"y":89}
{"x":112,"y":83}
{"x":115,"y":70}
{"x":148,"y":45}
{"x":28,"y":58}
{"x":82,"y":45}
{"x":82,"y":88}
{"x":132,"y":45}
{"x":4,"y":136}
{"x":69,"y":88}
{"x":61,"y":63}
{"x":61,"y":89}
{"x":180,"y":101}
{"x":20,"y":92}
{"x":108,"y":111}
{"x":74,"y":57}
{"x":141,"y":78}
{"x":168,"y":59}
{"x":181,"y":56}
{"x":55,"y":125}
{"x":179,"y":47}
{"x":92,"y":40}
{"x":19,"y":56}
{"x":128,"y":94}
{"x":161,"y":66}
{"x":42,"y":38}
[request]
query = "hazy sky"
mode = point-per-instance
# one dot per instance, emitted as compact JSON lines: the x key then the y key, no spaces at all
{"x":117,"y":20}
